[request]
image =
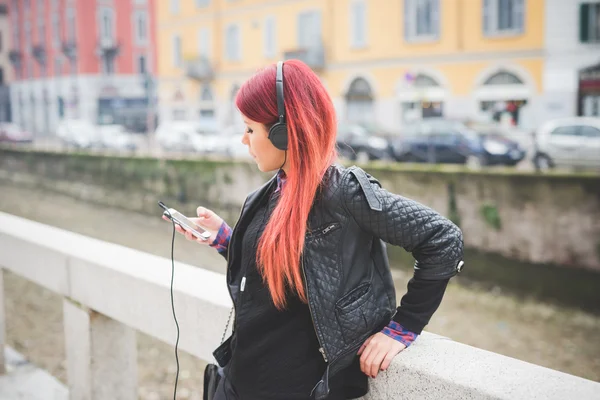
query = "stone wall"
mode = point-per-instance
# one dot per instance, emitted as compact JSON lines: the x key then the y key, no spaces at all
{"x":549,"y":219}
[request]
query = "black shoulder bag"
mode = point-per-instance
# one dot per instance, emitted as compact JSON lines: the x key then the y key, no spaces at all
{"x":211,"y":373}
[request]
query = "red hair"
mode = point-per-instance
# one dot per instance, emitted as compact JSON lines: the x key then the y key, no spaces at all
{"x":311,"y":122}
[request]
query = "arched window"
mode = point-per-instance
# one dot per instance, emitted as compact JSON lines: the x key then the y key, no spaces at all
{"x":503,"y":78}
{"x":359,"y":100}
{"x":502,"y":96}
{"x":424,"y":81}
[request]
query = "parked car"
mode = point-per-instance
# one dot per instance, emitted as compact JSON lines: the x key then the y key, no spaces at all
{"x":189,"y":136}
{"x":362,"y":143}
{"x":116,"y":137}
{"x":78,"y":133}
{"x":12,"y":133}
{"x":570,"y":142}
{"x":438,"y":140}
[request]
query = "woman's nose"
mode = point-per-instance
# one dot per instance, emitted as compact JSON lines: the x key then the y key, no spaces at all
{"x":245,"y":138}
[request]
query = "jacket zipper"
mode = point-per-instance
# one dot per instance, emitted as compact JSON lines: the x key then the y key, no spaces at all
{"x":228,"y":258}
{"x":321,"y":349}
{"x":323,"y":231}
{"x":329,"y":228}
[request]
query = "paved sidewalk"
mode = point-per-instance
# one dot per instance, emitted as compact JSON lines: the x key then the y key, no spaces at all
{"x":24,"y":381}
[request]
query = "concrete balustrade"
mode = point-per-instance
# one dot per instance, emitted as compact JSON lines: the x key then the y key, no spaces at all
{"x":111,"y":291}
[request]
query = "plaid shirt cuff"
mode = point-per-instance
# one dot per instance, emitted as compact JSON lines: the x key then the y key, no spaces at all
{"x":396,"y":331}
{"x":221,"y":242}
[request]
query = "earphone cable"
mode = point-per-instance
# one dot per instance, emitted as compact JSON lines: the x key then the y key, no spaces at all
{"x":173,"y":307}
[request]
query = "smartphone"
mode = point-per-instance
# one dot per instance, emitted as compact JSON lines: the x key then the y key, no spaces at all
{"x":184,"y":222}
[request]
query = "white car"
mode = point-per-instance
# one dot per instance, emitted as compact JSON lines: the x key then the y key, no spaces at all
{"x":177,"y":135}
{"x":569,"y":142}
{"x":78,"y":133}
{"x":116,"y":137}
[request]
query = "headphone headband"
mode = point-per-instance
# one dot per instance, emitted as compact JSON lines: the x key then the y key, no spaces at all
{"x":279,"y":88}
{"x":278,"y":132}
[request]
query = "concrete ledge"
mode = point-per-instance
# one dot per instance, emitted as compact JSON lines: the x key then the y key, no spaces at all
{"x":435,"y":367}
{"x":124,"y":284}
{"x":134,"y":288}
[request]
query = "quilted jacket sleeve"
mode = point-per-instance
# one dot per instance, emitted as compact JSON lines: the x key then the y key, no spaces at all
{"x":434,"y":241}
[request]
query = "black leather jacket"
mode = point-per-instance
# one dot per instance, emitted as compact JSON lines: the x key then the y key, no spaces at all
{"x":351,"y":293}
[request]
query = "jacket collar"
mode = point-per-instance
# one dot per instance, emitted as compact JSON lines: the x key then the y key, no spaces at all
{"x":259,"y":194}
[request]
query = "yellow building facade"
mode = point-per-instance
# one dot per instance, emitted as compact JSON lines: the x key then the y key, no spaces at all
{"x":383,"y":61}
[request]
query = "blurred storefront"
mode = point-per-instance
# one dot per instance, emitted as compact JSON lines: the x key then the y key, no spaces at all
{"x":65,"y":55}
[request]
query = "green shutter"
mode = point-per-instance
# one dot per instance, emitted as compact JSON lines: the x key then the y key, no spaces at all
{"x":584,"y":23}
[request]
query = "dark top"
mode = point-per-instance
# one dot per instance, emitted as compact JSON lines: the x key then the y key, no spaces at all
{"x":275,"y":354}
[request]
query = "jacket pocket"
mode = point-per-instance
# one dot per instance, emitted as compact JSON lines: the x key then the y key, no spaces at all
{"x":357,"y":313}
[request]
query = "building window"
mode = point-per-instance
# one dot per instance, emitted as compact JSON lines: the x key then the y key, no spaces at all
{"x":57,"y":67}
{"x":202,"y":3}
{"x":108,"y":65}
{"x":421,"y":19}
{"x":177,"y":52}
{"x":207,"y":107}
{"x":71,"y":24}
{"x":1,"y":41}
{"x":204,"y":43}
{"x":424,"y":89}
{"x":309,"y":29}
{"x":269,"y":35}
{"x":41,"y":26}
{"x":141,"y":65}
{"x":141,"y":27}
{"x":589,"y":23}
{"x":503,"y":78}
{"x":359,"y":102}
{"x":502,"y":17}
{"x":174,"y":6}
{"x":29,"y":68}
{"x":232,"y":43}
{"x":358,"y":23}
{"x":16,"y":28}
{"x":107,"y":23}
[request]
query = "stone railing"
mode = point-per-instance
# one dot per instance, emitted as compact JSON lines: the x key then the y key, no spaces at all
{"x":111,"y":291}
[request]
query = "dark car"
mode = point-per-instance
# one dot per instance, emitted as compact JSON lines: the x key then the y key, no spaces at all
{"x":363,"y":143}
{"x":447,"y":141}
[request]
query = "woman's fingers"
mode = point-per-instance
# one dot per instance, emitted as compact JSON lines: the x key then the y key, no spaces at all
{"x":365,"y":344}
{"x":387,"y":360}
{"x":376,"y":361}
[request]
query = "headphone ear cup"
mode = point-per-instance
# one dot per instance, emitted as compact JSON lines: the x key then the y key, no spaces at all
{"x":278,"y":136}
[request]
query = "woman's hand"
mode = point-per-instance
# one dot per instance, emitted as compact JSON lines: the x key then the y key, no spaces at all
{"x":207,"y":219}
{"x":377,"y":353}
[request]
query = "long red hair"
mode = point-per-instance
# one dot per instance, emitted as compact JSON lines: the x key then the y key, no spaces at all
{"x":311,"y":122}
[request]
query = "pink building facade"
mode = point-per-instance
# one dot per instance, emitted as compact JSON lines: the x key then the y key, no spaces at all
{"x":82,"y":59}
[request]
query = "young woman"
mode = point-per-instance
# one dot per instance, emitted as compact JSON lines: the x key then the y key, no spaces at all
{"x":307,"y":268}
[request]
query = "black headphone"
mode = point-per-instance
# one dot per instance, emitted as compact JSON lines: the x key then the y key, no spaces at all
{"x":278,"y":132}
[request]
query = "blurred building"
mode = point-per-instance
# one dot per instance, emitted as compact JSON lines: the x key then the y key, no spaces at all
{"x":383,"y":61}
{"x":77,"y":59}
{"x":5,"y":68}
{"x":572,"y":73}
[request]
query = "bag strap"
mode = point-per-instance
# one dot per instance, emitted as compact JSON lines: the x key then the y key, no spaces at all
{"x":227,"y":326}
